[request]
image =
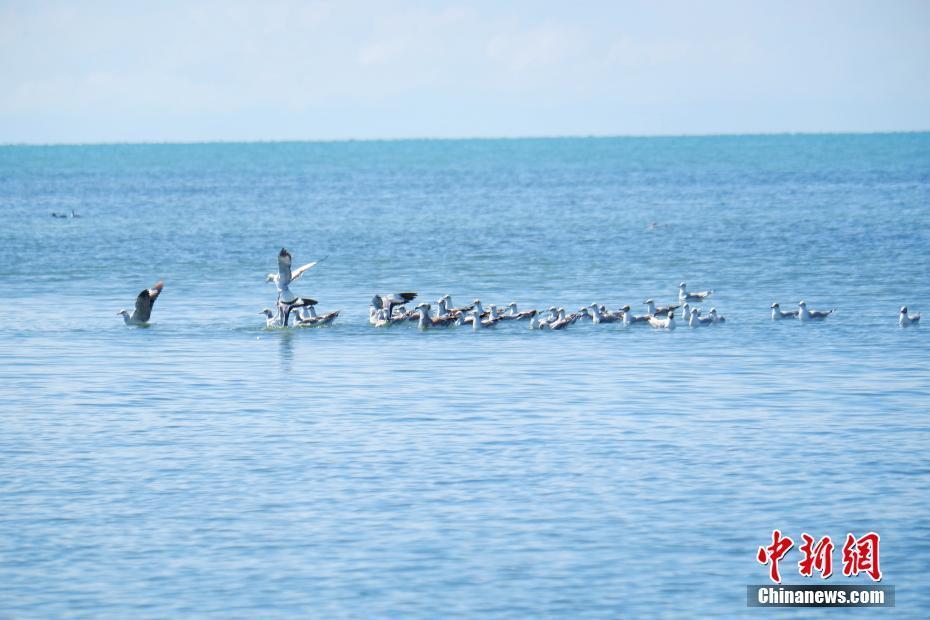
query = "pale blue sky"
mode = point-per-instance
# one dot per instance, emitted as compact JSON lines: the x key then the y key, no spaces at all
{"x":289,"y":70}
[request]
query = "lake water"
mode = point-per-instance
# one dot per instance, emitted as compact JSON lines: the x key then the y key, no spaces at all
{"x":207,"y":467}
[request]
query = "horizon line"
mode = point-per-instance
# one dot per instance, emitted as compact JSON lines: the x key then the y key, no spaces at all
{"x":466,"y":138}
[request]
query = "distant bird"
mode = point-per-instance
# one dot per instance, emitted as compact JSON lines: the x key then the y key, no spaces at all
{"x":425,"y":321}
{"x":696,"y":320}
{"x":285,"y":275}
{"x":551,"y":316}
{"x":516,"y":315}
{"x":477,"y":322}
{"x":684,"y":295}
{"x":387,"y":302}
{"x":307,"y":317}
{"x":904,"y":319}
{"x":812,"y":315}
{"x":779,"y":314}
{"x":666,"y":323}
{"x":65,"y":216}
{"x":144,"y":302}
{"x":716,"y":317}
{"x":630,"y":318}
{"x":564,"y":321}
{"x":447,"y":302}
{"x":286,"y":307}
{"x":661,"y":310}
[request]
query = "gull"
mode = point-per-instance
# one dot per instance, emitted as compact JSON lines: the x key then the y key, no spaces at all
{"x":779,"y":314}
{"x":696,"y":320}
{"x":812,"y":315}
{"x":629,"y":317}
{"x":716,"y":317}
{"x":447,"y":299}
{"x":475,"y":305}
{"x":516,"y":315}
{"x":661,"y":310}
{"x":477,"y":322}
{"x":904,"y":319}
{"x":564,"y":321}
{"x":307,"y":317}
{"x":666,"y":323}
{"x":551,"y":317}
{"x":144,"y":302}
{"x":271,"y":319}
{"x":684,"y":295}
{"x":286,"y":307}
{"x":285,"y":275}
{"x":387,"y":302}
{"x":425,"y":321}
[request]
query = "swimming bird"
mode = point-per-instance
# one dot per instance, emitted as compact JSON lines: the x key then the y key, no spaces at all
{"x":477,"y":322}
{"x":425,"y":321}
{"x":594,"y":312}
{"x":684,"y":295}
{"x":904,"y":319}
{"x":551,"y":316}
{"x":286,"y":307}
{"x":285,"y":275}
{"x":513,"y":314}
{"x":716,"y":317}
{"x":696,"y":320}
{"x":779,"y":314}
{"x":307,"y":317}
{"x":630,"y":318}
{"x":564,"y":321}
{"x":666,"y":323}
{"x":388,"y":302}
{"x":452,"y":309}
{"x":661,"y":310}
{"x":271,"y":319}
{"x":144,"y":302}
{"x":812,"y":315}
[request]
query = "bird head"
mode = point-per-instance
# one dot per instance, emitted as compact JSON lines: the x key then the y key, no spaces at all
{"x":903,"y":309}
{"x":270,"y":277}
{"x":123,"y":313}
{"x":775,"y":305}
{"x":267,"y":312}
{"x":802,"y":303}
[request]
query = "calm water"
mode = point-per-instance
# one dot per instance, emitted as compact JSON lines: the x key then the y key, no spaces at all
{"x":208,"y":467}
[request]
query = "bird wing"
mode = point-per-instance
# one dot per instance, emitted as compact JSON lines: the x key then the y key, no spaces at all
{"x":144,"y":302}
{"x":296,"y":273}
{"x":284,"y":268}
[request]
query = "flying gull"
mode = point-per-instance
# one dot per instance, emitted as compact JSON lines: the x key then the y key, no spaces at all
{"x":286,"y":275}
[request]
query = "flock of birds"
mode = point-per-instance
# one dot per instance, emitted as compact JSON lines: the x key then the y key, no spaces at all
{"x":391,"y":309}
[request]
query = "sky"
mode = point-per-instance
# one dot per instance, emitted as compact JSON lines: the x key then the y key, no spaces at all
{"x":244,"y":70}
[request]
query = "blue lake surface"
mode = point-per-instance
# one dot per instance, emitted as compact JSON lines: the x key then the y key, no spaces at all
{"x":208,"y":467}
